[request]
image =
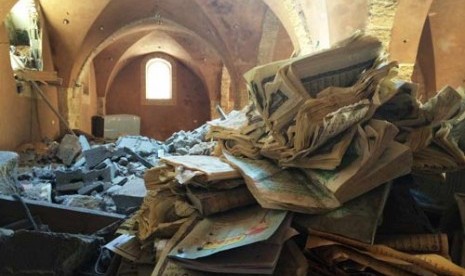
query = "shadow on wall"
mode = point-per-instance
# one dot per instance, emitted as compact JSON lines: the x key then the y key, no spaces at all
{"x":190,"y":110}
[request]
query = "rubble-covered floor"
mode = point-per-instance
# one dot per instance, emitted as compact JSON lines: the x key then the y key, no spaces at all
{"x":82,"y":173}
{"x":96,"y":174}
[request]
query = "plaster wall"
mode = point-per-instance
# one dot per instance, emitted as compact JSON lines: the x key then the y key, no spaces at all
{"x":283,"y":46}
{"x":446,"y":20}
{"x":191,"y":110}
{"x":24,"y":118}
{"x":344,"y":18}
{"x":89,"y":100}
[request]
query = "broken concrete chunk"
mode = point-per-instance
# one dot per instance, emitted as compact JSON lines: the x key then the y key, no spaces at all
{"x":138,"y":144}
{"x":90,"y":188}
{"x":68,"y":176}
{"x":123,"y":161}
{"x":104,"y":164}
{"x":182,"y":151}
{"x":130,"y":195}
{"x":114,"y":189}
{"x":80,"y":161}
{"x":45,"y":253}
{"x":69,"y":148}
{"x":82,"y":201}
{"x":43,"y":173}
{"x":8,"y":172}
{"x":136,"y":157}
{"x":70,"y":187}
{"x":105,"y":171}
{"x":183,"y":142}
{"x":96,"y":155}
{"x":25,"y":176}
{"x":84,"y":143}
{"x":119,"y":180}
{"x":117,"y":153}
{"x":41,"y":191}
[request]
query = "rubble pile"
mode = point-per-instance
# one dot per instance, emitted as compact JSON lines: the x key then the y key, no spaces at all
{"x":105,"y":177}
{"x":191,"y":142}
{"x":60,"y":189}
{"x":320,"y":175}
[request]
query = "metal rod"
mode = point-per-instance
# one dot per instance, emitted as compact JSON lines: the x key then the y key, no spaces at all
{"x":41,"y":93}
{"x":222,"y":114}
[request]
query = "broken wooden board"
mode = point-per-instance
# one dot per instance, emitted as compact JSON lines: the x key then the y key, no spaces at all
{"x":59,"y":218}
{"x":50,"y":77}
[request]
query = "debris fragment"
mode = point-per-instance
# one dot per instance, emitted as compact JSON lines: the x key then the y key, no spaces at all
{"x":69,"y":149}
{"x":8,"y":172}
{"x":34,"y":252}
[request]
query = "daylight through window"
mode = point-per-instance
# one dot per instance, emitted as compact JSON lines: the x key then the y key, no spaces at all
{"x":158,"y":79}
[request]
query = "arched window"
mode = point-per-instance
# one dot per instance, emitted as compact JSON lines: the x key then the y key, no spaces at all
{"x":158,"y":79}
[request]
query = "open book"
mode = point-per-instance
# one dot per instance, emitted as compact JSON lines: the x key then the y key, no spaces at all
{"x":285,"y":189}
{"x":201,"y":167}
{"x":280,"y":88}
{"x":357,"y":219}
{"x":372,"y":159}
{"x":240,"y":241}
{"x":335,"y":250}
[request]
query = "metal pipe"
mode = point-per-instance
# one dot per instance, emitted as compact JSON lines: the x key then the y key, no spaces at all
{"x":222,"y":114}
{"x":41,"y":93}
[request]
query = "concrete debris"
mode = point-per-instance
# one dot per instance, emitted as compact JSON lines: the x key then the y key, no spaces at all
{"x":37,"y":182}
{"x":96,"y":155}
{"x":81,"y":161}
{"x":40,"y":191}
{"x":82,"y":201}
{"x":70,"y":187}
{"x":138,"y":144}
{"x":91,"y":188}
{"x":69,"y":149}
{"x":190,"y":142}
{"x":137,"y":157}
{"x":8,"y":172}
{"x":59,"y":172}
{"x":43,"y":173}
{"x":114,"y":190}
{"x":84,"y":143}
{"x":105,"y":171}
{"x":123,"y":161}
{"x":119,"y":180}
{"x":130,"y":195}
{"x":67,"y":176}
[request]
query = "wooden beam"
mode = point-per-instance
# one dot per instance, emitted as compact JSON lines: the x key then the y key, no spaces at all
{"x":59,"y":218}
{"x":49,"y":77}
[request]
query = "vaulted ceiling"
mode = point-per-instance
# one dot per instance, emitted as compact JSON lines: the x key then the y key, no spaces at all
{"x":205,"y":35}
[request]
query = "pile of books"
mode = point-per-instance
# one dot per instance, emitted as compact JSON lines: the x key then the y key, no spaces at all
{"x":312,"y":178}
